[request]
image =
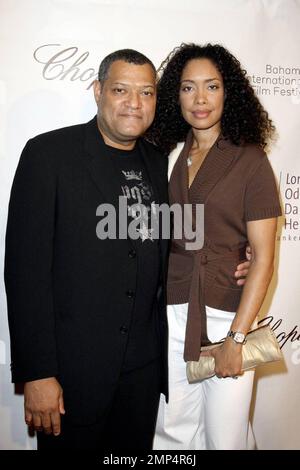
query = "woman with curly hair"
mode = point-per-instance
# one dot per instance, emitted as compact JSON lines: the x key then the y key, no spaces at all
{"x":214,"y":127}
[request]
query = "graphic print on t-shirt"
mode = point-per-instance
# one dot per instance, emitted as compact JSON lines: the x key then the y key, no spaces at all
{"x":139,"y":194}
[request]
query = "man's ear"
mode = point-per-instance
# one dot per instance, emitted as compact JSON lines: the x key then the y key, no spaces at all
{"x":97,"y":90}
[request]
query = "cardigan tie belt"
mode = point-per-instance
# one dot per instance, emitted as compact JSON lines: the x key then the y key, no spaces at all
{"x":196,"y":317}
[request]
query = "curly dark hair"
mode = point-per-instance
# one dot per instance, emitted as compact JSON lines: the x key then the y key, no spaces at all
{"x":244,"y":119}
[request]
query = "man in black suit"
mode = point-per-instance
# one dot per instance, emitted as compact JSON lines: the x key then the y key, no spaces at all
{"x":87,"y":315}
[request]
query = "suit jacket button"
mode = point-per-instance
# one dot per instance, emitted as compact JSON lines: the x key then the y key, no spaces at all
{"x":124,"y":330}
{"x":132,"y":254}
{"x":130,"y":294}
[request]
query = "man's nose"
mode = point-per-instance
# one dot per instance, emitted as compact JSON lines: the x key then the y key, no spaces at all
{"x":134,"y":100}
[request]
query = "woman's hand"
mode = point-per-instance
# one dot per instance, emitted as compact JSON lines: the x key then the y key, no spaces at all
{"x":228,"y":359}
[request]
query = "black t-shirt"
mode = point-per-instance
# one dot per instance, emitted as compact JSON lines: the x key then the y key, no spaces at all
{"x":143,"y":343}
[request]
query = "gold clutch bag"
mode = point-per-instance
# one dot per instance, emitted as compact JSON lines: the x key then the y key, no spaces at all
{"x":261,"y":347}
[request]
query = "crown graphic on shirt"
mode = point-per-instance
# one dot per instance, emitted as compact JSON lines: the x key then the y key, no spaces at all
{"x":132,"y":175}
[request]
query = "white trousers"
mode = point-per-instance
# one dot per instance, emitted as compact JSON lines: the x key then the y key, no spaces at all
{"x":211,"y":414}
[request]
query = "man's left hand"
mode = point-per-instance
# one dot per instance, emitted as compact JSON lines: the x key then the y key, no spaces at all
{"x":243,"y":268}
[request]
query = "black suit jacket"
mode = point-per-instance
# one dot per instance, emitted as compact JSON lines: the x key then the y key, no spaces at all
{"x":68,"y":293}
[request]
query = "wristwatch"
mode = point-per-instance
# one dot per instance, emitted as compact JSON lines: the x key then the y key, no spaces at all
{"x":237,"y":336}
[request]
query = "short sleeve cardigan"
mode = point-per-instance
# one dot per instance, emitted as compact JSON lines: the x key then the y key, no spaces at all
{"x":236,"y":184}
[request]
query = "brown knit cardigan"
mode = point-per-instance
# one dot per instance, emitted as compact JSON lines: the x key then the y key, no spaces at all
{"x":236,"y":184}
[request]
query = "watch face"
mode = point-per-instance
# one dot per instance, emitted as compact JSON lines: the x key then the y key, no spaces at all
{"x":239,"y":337}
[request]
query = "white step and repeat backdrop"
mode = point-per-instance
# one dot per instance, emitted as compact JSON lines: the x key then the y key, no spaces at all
{"x":50,"y":52}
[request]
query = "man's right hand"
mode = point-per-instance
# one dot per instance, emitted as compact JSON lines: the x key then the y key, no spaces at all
{"x":43,"y":402}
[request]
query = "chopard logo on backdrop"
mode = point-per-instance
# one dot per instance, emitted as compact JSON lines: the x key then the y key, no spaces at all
{"x":60,"y":63}
{"x":291,"y":336}
{"x":282,"y":336}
